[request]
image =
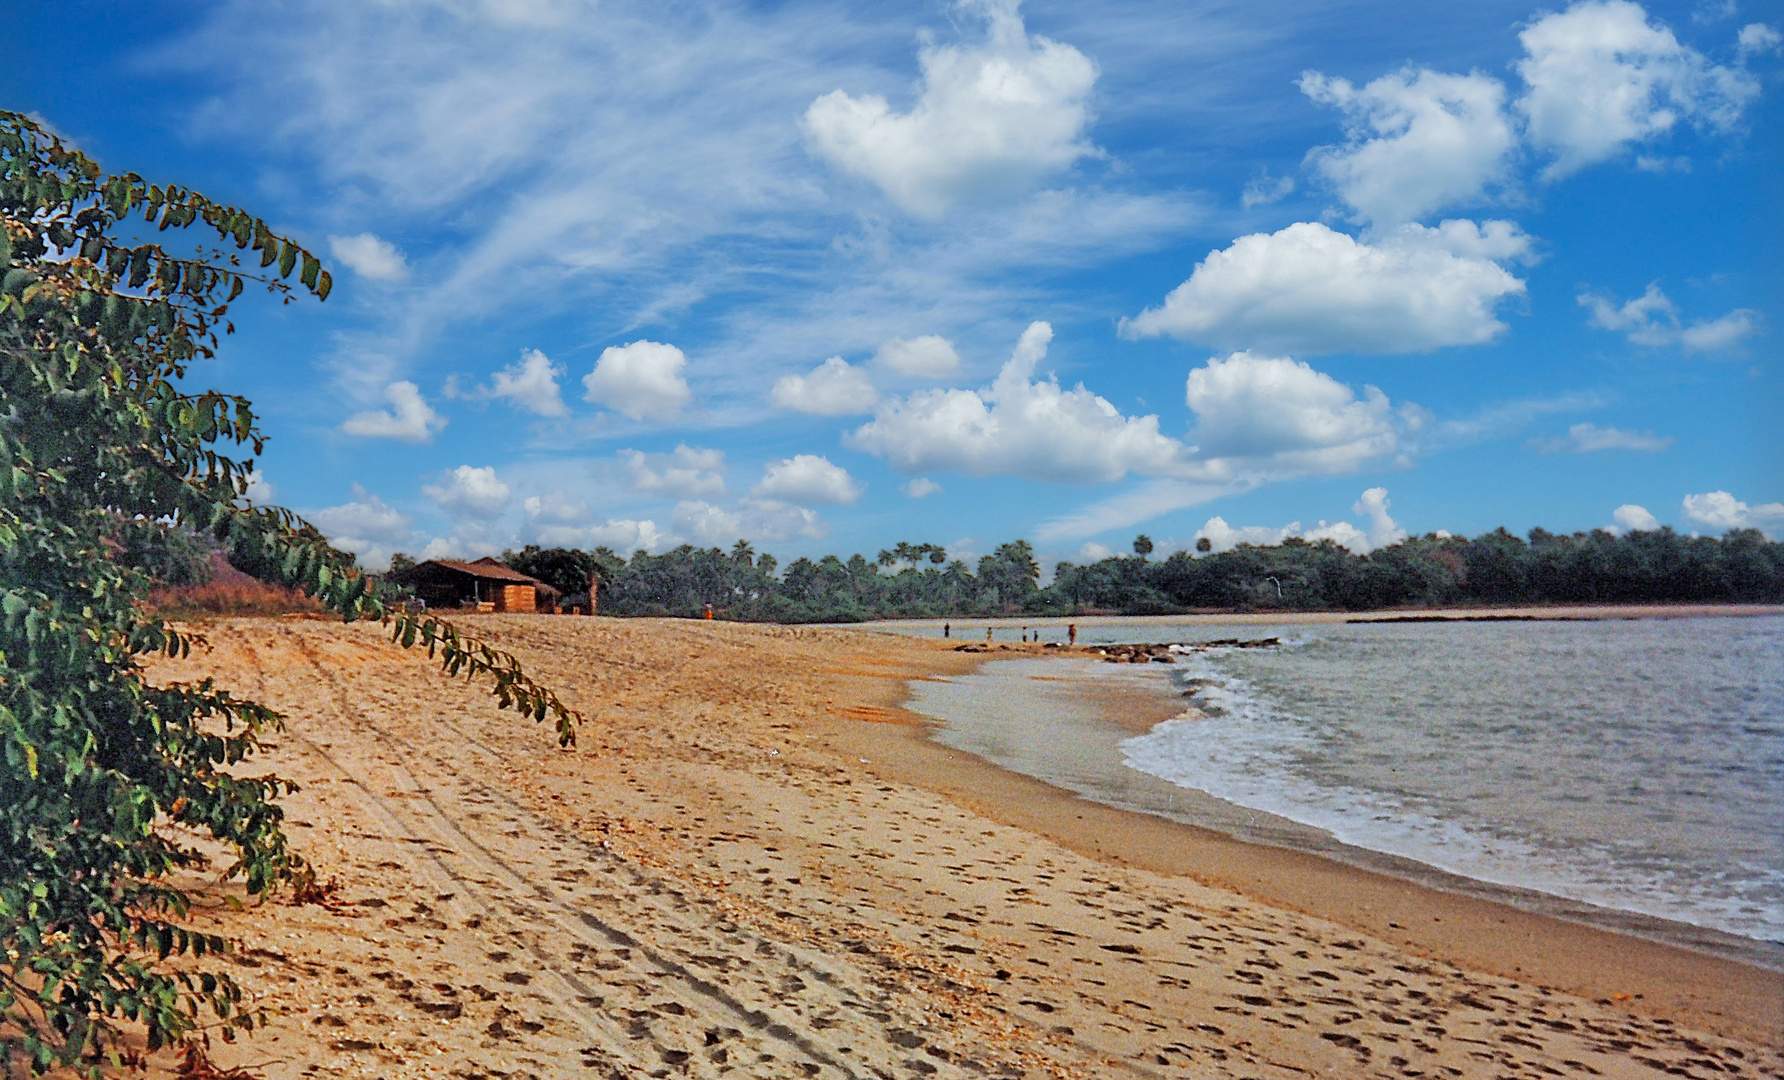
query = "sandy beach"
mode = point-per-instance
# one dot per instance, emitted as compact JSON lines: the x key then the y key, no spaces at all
{"x":756,"y":864}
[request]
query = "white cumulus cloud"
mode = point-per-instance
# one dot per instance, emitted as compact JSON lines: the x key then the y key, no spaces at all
{"x":808,"y":480}
{"x":920,"y":487}
{"x":1383,"y":530}
{"x":1601,"y":77}
{"x":833,"y":388}
{"x":1757,"y":38}
{"x":1273,"y":417}
{"x":926,"y":357}
{"x":642,"y":380}
{"x":552,"y":510}
{"x":261,"y":491}
{"x":370,"y":257}
{"x":1017,"y":426}
{"x":443,"y":547}
{"x":990,"y":119}
{"x":1721,"y":510}
{"x":1588,"y":438}
{"x":1652,"y":319}
{"x":1342,"y":533}
{"x":468,"y":492}
{"x":706,"y":524}
{"x":625,"y":535}
{"x":1223,"y":537}
{"x":368,"y":527}
{"x":553,"y":521}
{"x":685,"y":473}
{"x":1418,"y":141}
{"x":531,"y":384}
{"x":1632,"y":518}
{"x":409,"y":419}
{"x":1310,"y":289}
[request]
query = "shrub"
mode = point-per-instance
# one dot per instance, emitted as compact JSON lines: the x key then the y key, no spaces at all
{"x":97,"y":327}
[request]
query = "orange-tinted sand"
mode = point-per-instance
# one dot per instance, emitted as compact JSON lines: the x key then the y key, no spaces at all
{"x":716,"y":883}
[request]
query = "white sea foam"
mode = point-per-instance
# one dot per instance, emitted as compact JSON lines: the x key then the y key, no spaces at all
{"x":1251,"y":749}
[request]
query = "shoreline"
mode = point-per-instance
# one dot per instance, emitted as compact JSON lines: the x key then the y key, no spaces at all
{"x":1113,"y":704}
{"x":1660,"y":978}
{"x":755,"y":864}
{"x":1557,"y":612}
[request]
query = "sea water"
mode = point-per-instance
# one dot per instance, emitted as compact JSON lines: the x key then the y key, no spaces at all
{"x":1624,"y":766}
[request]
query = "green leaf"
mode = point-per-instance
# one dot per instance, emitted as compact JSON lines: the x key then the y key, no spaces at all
{"x":139,"y":265}
{"x":106,"y":442}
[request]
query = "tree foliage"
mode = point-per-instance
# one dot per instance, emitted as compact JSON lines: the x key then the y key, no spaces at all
{"x":1494,"y":568}
{"x":910,"y":581}
{"x":101,"y":448}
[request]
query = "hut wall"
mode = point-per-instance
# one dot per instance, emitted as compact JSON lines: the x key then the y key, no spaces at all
{"x":515,"y":598}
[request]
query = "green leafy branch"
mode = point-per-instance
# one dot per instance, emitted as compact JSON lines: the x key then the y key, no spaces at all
{"x":98,"y":324}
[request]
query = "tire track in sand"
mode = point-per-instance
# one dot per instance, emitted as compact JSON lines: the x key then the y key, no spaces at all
{"x":613,"y":946}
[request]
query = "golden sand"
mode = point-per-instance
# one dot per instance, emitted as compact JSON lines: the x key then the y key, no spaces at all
{"x":755,"y":864}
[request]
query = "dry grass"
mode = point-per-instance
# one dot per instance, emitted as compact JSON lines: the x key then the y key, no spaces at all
{"x":244,"y":596}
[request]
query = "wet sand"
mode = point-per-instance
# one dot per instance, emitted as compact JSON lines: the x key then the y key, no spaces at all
{"x":755,"y":864}
{"x":1585,"y":961}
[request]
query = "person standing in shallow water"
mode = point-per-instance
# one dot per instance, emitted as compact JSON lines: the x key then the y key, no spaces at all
{"x":1071,"y":633}
{"x":945,"y":628}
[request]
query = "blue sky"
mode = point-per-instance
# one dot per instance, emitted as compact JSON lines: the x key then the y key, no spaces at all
{"x":833,"y":276}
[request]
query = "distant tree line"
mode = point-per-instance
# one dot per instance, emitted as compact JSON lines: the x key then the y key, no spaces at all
{"x":919,"y":580}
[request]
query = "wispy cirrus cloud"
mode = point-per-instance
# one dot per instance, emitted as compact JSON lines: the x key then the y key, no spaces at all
{"x":651,"y":158}
{"x":1589,"y":438}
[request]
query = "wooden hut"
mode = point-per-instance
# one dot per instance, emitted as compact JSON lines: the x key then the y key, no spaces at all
{"x":486,"y":585}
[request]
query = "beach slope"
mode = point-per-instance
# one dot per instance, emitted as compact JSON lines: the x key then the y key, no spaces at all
{"x":753,"y":865}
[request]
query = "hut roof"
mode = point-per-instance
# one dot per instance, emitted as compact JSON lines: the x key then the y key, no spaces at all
{"x":487,"y":569}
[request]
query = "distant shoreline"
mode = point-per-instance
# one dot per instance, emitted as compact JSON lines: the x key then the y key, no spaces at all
{"x":1534,"y":612}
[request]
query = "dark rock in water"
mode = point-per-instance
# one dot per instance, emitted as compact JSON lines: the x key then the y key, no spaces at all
{"x":1161,"y":654}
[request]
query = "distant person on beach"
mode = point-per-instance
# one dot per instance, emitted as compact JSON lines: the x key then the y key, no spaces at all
{"x":1071,"y":634}
{"x":945,"y":628}
{"x":987,"y":633}
{"x":708,"y":613}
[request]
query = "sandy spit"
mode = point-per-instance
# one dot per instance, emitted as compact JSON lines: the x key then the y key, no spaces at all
{"x":754,"y":865}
